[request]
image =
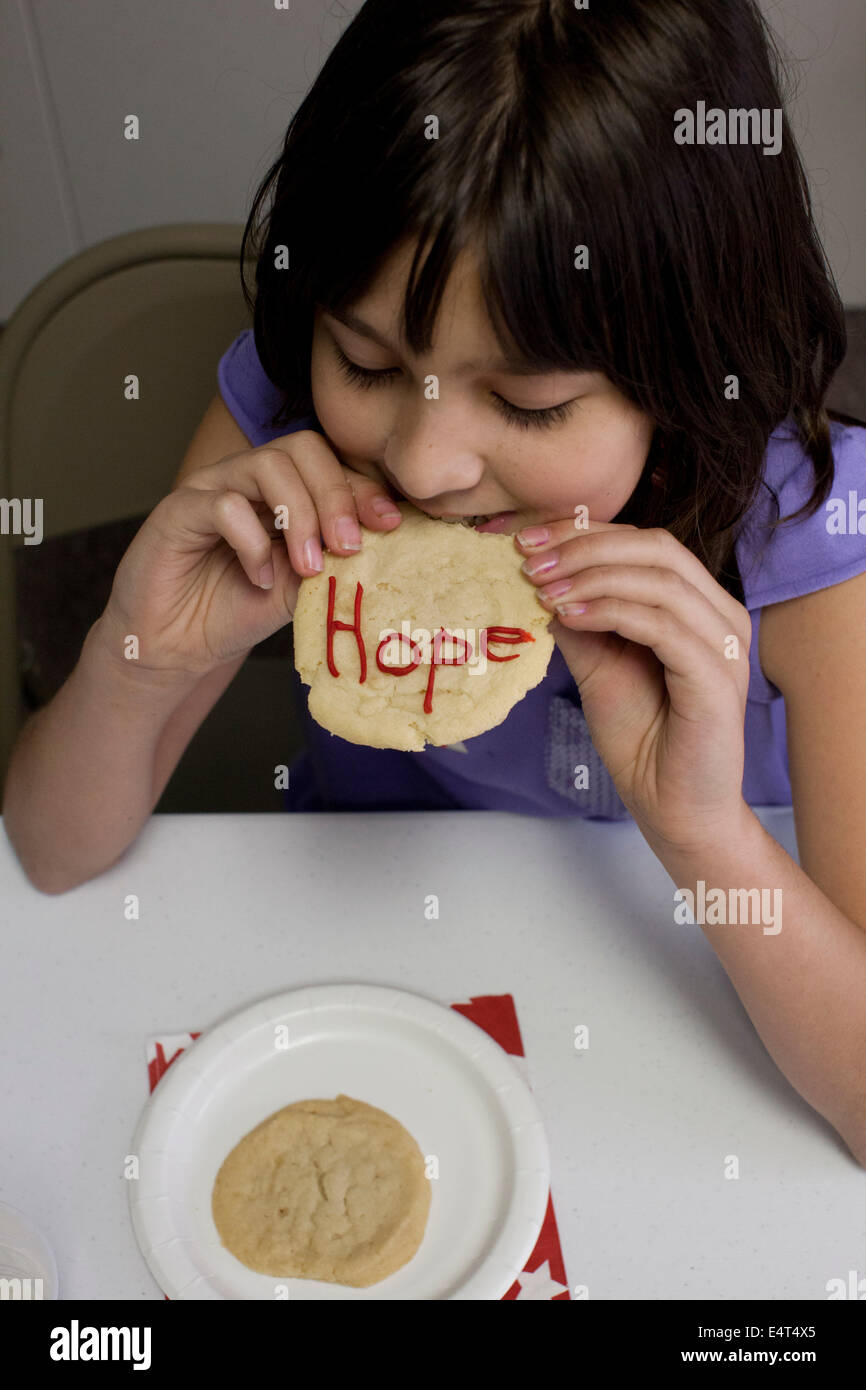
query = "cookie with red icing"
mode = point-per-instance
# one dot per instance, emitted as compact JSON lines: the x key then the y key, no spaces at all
{"x":431,"y":633}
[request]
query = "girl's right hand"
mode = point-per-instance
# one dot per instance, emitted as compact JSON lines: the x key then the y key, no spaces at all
{"x":188,"y":586}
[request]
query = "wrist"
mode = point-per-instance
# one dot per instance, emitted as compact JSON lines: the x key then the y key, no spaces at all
{"x":735,"y":839}
{"x":104,"y":655}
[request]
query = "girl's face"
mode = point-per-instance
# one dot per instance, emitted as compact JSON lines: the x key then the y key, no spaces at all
{"x":466,"y":443}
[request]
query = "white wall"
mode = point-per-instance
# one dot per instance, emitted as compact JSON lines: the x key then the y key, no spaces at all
{"x":826,"y":41}
{"x":215,"y":83}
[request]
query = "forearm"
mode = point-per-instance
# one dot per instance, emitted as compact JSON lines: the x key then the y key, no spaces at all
{"x":802,"y":979}
{"x":82,"y":778}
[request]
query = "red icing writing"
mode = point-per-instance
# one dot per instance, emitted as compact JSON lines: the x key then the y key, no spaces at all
{"x":355,"y":627}
{"x":438,"y":660}
{"x":504,"y":634}
{"x":510,"y":635}
{"x":398,"y":670}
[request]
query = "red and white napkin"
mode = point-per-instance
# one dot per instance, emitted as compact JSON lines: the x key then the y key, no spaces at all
{"x":544,"y":1273}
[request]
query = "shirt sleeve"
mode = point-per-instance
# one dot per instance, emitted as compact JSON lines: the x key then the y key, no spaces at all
{"x":813,"y":552}
{"x":251,"y":396}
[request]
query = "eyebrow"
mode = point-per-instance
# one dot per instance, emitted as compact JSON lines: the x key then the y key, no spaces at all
{"x":514,"y":366}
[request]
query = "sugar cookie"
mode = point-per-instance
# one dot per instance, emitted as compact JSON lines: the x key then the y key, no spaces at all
{"x":429,"y":634}
{"x":324,"y":1189}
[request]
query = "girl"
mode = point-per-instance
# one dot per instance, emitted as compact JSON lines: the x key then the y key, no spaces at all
{"x":546,"y":263}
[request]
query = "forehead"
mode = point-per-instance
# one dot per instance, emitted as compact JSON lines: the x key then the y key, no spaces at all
{"x":462,"y":323}
{"x":462,"y":297}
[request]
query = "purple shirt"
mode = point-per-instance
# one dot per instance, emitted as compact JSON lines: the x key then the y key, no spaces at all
{"x":527,"y":763}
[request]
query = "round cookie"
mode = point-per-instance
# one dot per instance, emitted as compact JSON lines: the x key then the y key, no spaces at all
{"x":324,"y":1189}
{"x":447,"y":605}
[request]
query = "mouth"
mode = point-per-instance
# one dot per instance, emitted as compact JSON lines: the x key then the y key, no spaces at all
{"x":491,"y":525}
{"x":490,"y":522}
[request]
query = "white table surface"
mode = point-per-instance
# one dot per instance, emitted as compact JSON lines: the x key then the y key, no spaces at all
{"x":573,"y":918}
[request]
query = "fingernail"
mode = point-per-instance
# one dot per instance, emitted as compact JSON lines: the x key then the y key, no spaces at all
{"x":384,"y":507}
{"x":540,"y":565}
{"x":533,"y":535}
{"x":266,"y":576}
{"x":312,"y":555}
{"x":347,"y":533}
{"x":561,"y":586}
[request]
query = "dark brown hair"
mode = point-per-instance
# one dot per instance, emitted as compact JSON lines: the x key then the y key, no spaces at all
{"x":555,"y":130}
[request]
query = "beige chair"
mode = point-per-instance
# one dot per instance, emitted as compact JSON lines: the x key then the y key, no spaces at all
{"x":162,"y":304}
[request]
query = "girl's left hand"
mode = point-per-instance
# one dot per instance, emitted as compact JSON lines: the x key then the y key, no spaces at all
{"x":661,"y":660}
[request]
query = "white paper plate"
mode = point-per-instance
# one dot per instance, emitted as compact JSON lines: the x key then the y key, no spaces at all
{"x":26,"y":1255}
{"x":456,"y":1091}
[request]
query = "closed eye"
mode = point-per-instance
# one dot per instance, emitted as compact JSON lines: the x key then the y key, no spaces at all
{"x":365,"y":378}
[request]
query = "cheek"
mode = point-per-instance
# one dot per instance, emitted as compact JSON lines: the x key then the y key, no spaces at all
{"x":599,"y":465}
{"x":616,"y":443}
{"x":350,"y":418}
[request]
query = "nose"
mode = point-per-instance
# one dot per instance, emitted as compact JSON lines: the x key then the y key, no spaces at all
{"x":430,"y":465}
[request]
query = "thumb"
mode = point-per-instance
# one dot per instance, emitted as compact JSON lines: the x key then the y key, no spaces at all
{"x":287,"y":582}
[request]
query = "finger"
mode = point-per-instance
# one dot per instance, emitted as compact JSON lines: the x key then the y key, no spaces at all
{"x":694,"y":672}
{"x":651,"y":587}
{"x":292,"y":509}
{"x":375,"y":508}
{"x":300,"y":474}
{"x":204,"y":513}
{"x":540,"y":535}
{"x":332,"y":488}
{"x":267,"y":478}
{"x":605,"y":543}
{"x":325,"y":482}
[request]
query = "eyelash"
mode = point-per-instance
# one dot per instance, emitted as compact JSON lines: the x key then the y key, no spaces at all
{"x":524,"y":419}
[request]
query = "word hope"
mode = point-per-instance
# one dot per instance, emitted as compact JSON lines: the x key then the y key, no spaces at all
{"x":422,"y":647}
